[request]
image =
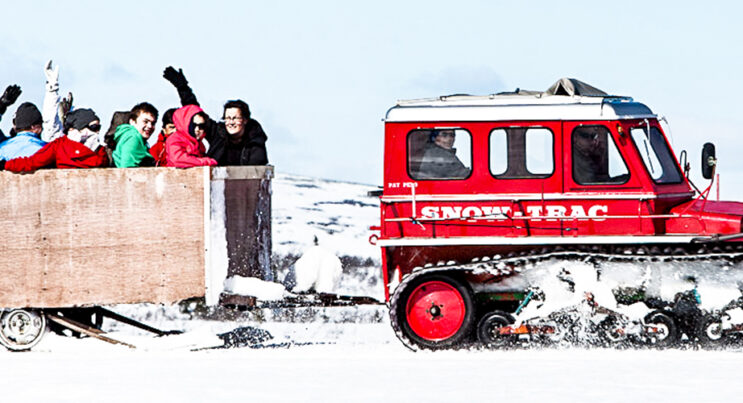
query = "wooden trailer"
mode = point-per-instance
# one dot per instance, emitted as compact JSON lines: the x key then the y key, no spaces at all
{"x":91,"y":237}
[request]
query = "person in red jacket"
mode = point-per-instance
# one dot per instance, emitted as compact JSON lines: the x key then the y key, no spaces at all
{"x":158,"y":149}
{"x":184,"y":148}
{"x":81,"y":147}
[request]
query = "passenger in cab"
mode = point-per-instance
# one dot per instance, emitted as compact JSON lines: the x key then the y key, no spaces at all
{"x":158,"y":149}
{"x":131,"y":138}
{"x":81,"y":147}
{"x":440,"y":159}
{"x":10,"y":95}
{"x":238,"y":140}
{"x":185,"y":148}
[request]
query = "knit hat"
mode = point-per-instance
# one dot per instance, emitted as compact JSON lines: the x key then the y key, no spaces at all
{"x":79,"y":119}
{"x":26,"y":116}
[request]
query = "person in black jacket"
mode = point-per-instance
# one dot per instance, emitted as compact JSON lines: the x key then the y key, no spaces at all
{"x":440,"y":158}
{"x":238,"y":140}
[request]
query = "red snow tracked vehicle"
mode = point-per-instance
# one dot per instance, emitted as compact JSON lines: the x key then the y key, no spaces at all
{"x":485,"y":197}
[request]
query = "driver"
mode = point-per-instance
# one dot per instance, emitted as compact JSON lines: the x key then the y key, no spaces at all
{"x":589,"y":155}
{"x":440,"y":158}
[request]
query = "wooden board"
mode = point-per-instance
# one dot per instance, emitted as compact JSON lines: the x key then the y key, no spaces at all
{"x":102,"y":236}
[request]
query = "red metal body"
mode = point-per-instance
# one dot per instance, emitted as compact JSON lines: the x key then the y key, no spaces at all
{"x":425,"y":221}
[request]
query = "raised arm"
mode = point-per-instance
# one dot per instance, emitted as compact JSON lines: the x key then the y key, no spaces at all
{"x":178,"y":79}
{"x":50,"y":113}
{"x":11,"y":94}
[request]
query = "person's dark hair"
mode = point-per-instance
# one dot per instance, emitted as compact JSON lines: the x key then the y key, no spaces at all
{"x":168,"y":116}
{"x":192,"y":125}
{"x":142,"y":108}
{"x":239,"y":104}
{"x":119,"y":118}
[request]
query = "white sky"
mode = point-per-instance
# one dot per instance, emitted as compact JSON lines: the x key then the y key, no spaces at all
{"x":320,"y":75}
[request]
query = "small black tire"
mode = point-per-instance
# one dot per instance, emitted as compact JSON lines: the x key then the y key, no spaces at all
{"x":610,"y":334}
{"x":487,"y":330}
{"x":669,"y":334}
{"x":710,"y":333}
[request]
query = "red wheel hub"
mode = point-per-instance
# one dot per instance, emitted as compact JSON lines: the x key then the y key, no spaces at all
{"x":435,"y":310}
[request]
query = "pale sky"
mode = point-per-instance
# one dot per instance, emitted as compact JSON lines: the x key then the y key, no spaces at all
{"x":319,"y":76}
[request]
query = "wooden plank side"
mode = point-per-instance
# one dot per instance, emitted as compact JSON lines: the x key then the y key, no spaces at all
{"x":101,"y":236}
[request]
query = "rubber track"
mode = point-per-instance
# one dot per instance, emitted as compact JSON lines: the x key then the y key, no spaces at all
{"x":506,"y":266}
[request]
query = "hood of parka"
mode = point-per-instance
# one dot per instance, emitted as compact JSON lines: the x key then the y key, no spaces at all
{"x":182,"y":118}
{"x":125,"y":129}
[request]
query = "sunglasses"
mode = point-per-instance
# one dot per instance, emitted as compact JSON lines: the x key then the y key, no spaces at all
{"x":447,"y":134}
{"x":588,"y":136}
{"x":201,"y":126}
{"x":94,"y":127}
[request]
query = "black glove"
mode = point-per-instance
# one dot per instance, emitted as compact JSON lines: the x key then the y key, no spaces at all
{"x":175,"y":77}
{"x":9,"y":97}
{"x":2,"y":165}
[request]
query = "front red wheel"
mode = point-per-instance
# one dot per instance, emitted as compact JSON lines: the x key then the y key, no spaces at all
{"x":435,"y":311}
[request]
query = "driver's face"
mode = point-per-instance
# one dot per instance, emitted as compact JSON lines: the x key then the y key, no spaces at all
{"x":587,"y":140}
{"x":445,"y":139}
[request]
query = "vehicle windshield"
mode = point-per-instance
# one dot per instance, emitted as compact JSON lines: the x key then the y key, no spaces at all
{"x":656,"y":155}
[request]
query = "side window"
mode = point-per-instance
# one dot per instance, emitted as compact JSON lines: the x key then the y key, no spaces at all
{"x":596,"y":158}
{"x":656,"y":155}
{"x":522,"y":152}
{"x":442,"y":153}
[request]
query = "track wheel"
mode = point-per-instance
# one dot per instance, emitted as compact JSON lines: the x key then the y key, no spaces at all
{"x":434,"y":311}
{"x":21,"y":329}
{"x":709,"y":332}
{"x":664,"y":332}
{"x":488,"y":330}
{"x":612,"y":332}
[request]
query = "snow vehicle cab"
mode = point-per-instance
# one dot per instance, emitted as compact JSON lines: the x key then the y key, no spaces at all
{"x":477,"y":188}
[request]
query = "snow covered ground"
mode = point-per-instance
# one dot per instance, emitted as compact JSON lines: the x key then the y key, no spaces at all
{"x":343,"y":362}
{"x":341,"y":354}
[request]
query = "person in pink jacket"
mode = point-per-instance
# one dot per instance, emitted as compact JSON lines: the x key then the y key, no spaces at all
{"x":184,"y":148}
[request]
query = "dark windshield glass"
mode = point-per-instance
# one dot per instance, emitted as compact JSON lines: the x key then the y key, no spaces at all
{"x":656,"y":155}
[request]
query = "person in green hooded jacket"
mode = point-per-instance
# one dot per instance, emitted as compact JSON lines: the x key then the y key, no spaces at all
{"x":131,"y":139}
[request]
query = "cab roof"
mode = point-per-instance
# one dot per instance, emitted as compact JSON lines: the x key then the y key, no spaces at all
{"x":567,"y":99}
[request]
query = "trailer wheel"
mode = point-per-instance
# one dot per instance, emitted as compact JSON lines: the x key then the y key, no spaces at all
{"x":21,"y":329}
{"x":667,"y":332}
{"x":435,"y":311}
{"x":710,"y":333}
{"x":488,"y":330}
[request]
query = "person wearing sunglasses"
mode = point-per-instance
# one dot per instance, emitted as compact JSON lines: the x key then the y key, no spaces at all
{"x":440,"y":159}
{"x":80,"y":147}
{"x":130,"y":139}
{"x":185,"y":148}
{"x":238,"y":140}
{"x":589,"y":155}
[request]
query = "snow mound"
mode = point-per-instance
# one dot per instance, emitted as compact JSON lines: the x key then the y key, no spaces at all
{"x":251,"y":286}
{"x":317,"y":269}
